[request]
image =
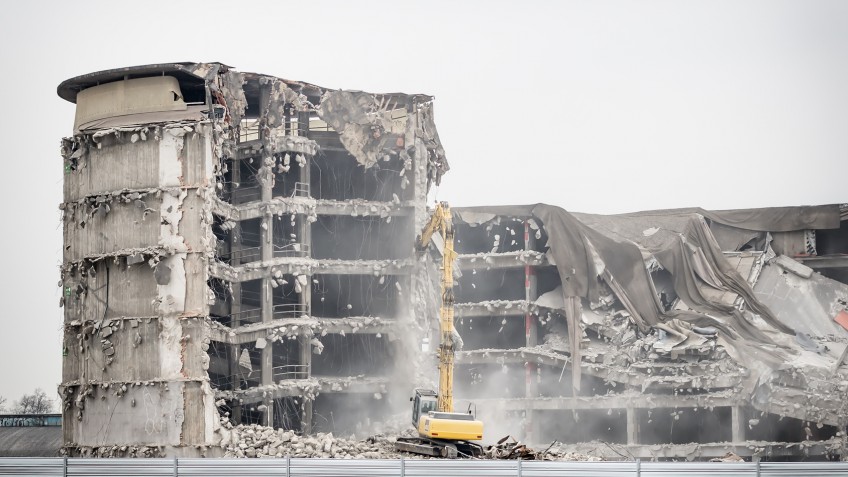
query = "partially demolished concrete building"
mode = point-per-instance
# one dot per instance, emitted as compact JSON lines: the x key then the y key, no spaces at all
{"x":698,"y":333}
{"x":240,"y":243}
{"x":239,"y":248}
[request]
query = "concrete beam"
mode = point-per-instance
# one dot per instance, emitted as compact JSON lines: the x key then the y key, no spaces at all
{"x":517,"y":308}
{"x":308,"y":388}
{"x":609,"y":401}
{"x":309,"y":266}
{"x":824,"y":261}
{"x":305,"y":326}
{"x":290,"y":144}
{"x":312,"y":207}
{"x":813,"y":405}
{"x":661,"y":376}
{"x":486,"y":261}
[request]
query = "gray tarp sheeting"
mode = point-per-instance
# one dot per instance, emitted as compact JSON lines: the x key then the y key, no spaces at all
{"x":593,"y":250}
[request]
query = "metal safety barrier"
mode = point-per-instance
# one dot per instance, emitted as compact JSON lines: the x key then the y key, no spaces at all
{"x":293,"y":467}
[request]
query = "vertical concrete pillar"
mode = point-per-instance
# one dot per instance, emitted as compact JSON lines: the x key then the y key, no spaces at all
{"x":266,"y":247}
{"x":531,"y":335}
{"x":267,"y":363}
{"x":632,"y":427}
{"x":235,"y":309}
{"x":306,"y":362}
{"x":737,"y":425}
{"x":304,"y":237}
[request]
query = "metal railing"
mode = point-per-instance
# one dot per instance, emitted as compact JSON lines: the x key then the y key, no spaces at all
{"x":290,"y":310}
{"x":290,"y":371}
{"x":252,"y":193}
{"x":301,"y":189}
{"x":250,"y":315}
{"x":242,"y":195}
{"x":295,"y":467}
{"x":248,"y":130}
{"x":254,"y":254}
{"x":285,"y":310}
{"x":291,"y":250}
{"x":244,"y":255}
{"x":278,"y":373}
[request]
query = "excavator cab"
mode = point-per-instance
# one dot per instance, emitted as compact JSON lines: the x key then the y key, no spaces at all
{"x":441,"y":434}
{"x":425,"y":400}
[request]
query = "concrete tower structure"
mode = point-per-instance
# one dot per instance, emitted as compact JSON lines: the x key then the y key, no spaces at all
{"x":237,"y":244}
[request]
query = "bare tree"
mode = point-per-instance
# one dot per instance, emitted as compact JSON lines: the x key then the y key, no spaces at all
{"x":35,"y":403}
{"x":2,"y":404}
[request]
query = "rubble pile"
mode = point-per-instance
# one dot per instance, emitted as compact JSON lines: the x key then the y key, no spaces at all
{"x":253,"y":440}
{"x":511,"y":448}
{"x":259,"y":441}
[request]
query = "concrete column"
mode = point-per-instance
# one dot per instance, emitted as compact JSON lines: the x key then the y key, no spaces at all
{"x":632,"y":427}
{"x":306,"y":360}
{"x":304,"y":237}
{"x":235,"y":309}
{"x":531,"y":335}
{"x":235,"y":374}
{"x":266,"y":246}
{"x":737,"y":425}
{"x":267,"y":370}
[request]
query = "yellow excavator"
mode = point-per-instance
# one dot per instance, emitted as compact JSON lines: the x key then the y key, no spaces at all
{"x":442,"y":432}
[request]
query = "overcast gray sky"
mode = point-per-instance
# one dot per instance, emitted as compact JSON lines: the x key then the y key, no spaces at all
{"x":595,"y":106}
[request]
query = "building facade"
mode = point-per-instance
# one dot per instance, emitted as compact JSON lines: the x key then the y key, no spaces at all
{"x":237,"y":245}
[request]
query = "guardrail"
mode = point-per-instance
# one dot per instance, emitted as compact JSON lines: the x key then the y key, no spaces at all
{"x":290,"y":371}
{"x":291,"y":250}
{"x":290,"y":310}
{"x":292,"y":467}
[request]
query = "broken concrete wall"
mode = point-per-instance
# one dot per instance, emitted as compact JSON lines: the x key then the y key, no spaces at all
{"x":140,"y":415}
{"x":134,"y":289}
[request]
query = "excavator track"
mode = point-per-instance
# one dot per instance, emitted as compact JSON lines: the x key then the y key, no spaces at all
{"x":439,"y":448}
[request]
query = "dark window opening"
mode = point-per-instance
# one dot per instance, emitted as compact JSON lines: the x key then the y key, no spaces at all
{"x":489,"y":380}
{"x":354,"y":354}
{"x":341,"y":296}
{"x":501,"y":332}
{"x":336,"y":175}
{"x":684,"y":425}
{"x":362,"y":238}
{"x":361,"y":414}
{"x":480,"y":285}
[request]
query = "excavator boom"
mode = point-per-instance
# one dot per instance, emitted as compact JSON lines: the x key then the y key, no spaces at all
{"x":442,"y":223}
{"x":442,"y":432}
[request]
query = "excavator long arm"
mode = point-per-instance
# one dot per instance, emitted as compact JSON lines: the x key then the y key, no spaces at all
{"x":442,"y":432}
{"x":442,"y":223}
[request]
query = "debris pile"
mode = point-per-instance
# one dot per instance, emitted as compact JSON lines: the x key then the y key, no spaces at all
{"x":253,"y":440}
{"x":729,"y":457}
{"x":511,"y":448}
{"x":259,"y":441}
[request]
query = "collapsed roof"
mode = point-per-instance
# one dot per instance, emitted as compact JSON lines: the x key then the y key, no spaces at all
{"x":696,"y":286}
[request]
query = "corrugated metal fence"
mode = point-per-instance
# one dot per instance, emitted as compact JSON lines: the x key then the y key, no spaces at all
{"x":59,"y":467}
